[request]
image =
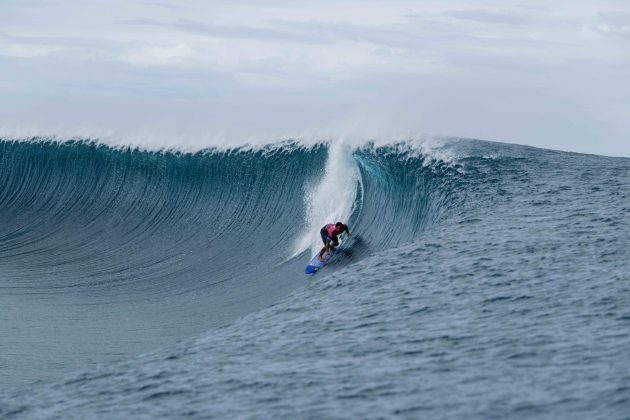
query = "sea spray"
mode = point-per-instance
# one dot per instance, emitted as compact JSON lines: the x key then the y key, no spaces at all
{"x":332,"y":198}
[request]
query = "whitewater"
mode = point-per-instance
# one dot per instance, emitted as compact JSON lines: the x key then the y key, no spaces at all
{"x":482,"y":280}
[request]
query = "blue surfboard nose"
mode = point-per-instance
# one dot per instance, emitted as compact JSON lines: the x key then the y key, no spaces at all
{"x":316,"y":264}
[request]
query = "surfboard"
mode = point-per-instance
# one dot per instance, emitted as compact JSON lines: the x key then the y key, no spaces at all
{"x":315,"y":264}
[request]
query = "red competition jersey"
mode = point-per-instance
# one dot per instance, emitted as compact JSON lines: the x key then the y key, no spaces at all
{"x":331,"y":230}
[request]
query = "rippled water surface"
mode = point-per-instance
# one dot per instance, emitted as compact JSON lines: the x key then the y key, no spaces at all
{"x":483,"y":280}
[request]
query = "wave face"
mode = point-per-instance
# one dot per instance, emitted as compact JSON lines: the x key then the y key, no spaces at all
{"x":124,"y":250}
{"x":482,"y":280}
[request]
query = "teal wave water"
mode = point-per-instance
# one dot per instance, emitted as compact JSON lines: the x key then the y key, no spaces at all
{"x":482,"y":280}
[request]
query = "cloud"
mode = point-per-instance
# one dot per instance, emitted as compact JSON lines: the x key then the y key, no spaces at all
{"x":619,"y":20}
{"x":335,"y":32}
{"x":167,"y":5}
{"x":488,"y":16}
{"x":160,"y":55}
{"x":614,"y":23}
{"x":228,"y":31}
{"x":57,"y":41}
{"x":524,"y":73}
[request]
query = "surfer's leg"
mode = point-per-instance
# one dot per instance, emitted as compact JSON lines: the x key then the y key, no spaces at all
{"x":321,"y":254}
{"x":324,"y":249}
{"x":324,"y":236}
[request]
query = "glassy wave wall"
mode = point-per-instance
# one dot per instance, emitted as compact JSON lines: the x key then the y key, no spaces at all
{"x":105,"y":253}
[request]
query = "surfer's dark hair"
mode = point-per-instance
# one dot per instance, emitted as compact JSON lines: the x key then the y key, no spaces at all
{"x":341,"y":225}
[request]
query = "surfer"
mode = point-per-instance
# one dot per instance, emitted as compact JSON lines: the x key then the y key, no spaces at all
{"x":329,"y":236}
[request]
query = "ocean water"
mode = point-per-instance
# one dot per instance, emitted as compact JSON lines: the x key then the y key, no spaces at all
{"x":482,"y":280}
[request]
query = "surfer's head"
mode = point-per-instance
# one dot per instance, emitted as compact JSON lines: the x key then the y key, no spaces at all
{"x":340,"y":227}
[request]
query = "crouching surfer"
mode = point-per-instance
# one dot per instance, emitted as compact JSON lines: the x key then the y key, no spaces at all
{"x":329,"y":235}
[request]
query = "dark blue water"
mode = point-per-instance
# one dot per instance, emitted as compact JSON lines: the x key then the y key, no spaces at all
{"x":483,"y":280}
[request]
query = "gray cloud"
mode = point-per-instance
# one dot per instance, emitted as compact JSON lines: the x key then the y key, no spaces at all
{"x":488,"y":16}
{"x":60,"y":41}
{"x":241,"y":31}
{"x":166,"y":5}
{"x":539,"y":73}
{"x":616,"y":19}
{"x":618,"y":24}
{"x":308,"y":32}
{"x":228,"y":31}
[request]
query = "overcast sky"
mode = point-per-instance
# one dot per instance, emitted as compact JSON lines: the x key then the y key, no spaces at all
{"x":198,"y":73}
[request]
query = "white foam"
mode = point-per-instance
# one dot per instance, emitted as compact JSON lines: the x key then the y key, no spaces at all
{"x":331,"y":198}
